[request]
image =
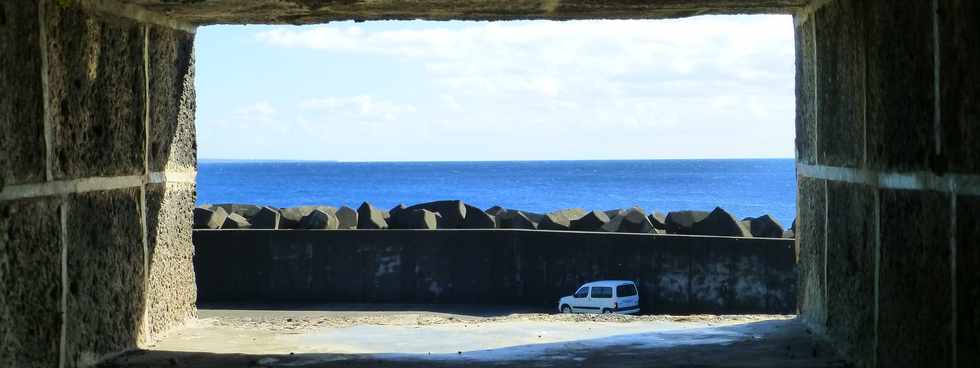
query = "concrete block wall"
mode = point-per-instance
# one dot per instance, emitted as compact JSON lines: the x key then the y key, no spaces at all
{"x":888,"y":117}
{"x":97,"y":167}
{"x":676,"y":274}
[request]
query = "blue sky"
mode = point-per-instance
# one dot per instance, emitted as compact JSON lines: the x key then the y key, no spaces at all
{"x":703,"y":87}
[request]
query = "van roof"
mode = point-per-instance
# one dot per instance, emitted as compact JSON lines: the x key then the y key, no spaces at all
{"x":610,"y":283}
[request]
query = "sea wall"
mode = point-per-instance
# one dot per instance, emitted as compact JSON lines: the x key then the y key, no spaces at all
{"x":676,"y":274}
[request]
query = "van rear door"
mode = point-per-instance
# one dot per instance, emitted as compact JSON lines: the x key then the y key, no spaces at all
{"x":627,"y":296}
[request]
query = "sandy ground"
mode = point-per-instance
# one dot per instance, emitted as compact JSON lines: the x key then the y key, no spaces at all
{"x":445,"y":336}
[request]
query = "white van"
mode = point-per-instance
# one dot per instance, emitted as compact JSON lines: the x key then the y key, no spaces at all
{"x":610,"y":296}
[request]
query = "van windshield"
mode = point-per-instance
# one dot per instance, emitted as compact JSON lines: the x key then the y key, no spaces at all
{"x":625,"y":290}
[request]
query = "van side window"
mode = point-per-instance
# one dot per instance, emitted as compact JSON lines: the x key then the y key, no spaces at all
{"x":625,"y":290}
{"x":581,"y":293}
{"x":601,"y":292}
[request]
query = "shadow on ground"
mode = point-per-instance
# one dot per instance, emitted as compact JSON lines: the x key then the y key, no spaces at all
{"x":776,"y":343}
{"x":456,"y":309}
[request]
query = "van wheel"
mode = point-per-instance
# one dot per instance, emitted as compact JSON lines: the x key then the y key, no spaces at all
{"x":566,"y":309}
{"x":606,"y":311}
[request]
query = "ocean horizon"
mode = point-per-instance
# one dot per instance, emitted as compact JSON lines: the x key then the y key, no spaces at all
{"x":744,"y":187}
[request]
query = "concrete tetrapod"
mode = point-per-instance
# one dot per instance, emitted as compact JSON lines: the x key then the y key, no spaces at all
{"x":347,"y":217}
{"x":453,"y":212}
{"x":266,"y":218}
{"x":720,"y":223}
{"x":682,"y":222}
{"x":370,"y":217}
{"x":319,"y":220}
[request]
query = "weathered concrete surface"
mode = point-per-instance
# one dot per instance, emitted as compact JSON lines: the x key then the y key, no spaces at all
{"x":840,"y":37}
{"x":967,"y":281}
{"x":676,"y":274}
{"x":806,"y":79}
{"x":812,"y":207}
{"x":95,"y":93}
{"x":172,"y":100}
{"x":106,"y":275}
{"x":22,"y":154}
{"x":30,"y":275}
{"x":900,"y":96}
{"x":319,"y":11}
{"x":851,"y":237}
{"x":959,"y":43}
{"x":171,"y":292}
{"x":915,"y":280}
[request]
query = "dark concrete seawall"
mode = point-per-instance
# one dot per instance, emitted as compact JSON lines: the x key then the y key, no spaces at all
{"x":676,"y":274}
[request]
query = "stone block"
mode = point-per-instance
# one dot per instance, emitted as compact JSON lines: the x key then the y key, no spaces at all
{"x":30,"y":272}
{"x":682,"y":222}
{"x":561,"y":219}
{"x":22,"y":152}
{"x":851,"y":268}
{"x":266,"y":218}
{"x":453,"y":212}
{"x":806,"y":104}
{"x":721,"y":223}
{"x":477,"y":219}
{"x":201,"y":217}
{"x":416,"y":219}
{"x":236,"y":221}
{"x":658,"y":220}
{"x":319,"y":220}
{"x":914,"y":280}
{"x":106,"y":275}
{"x":95,"y":93}
{"x":765,"y":227}
{"x":347,"y":218}
{"x":495,"y":210}
{"x":840,"y":83}
{"x":811,"y":204}
{"x":243,"y":209}
{"x":959,"y":43}
{"x":290,"y":217}
{"x":370,"y":217}
{"x":633,"y":220}
{"x":172,"y":100}
{"x":512,"y":219}
{"x":171,"y":290}
{"x":209,"y":218}
{"x":900,"y":97}
{"x":592,"y":221}
{"x":968,"y":281}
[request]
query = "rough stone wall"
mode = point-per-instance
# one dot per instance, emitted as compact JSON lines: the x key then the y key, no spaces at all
{"x":675,"y":273}
{"x":97,"y":165}
{"x":887,"y":129}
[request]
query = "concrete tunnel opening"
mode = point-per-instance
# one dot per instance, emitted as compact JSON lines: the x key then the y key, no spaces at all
{"x":756,"y":277}
{"x":102,"y":123}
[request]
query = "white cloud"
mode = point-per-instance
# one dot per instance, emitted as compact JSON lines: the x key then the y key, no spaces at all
{"x":529,"y":56}
{"x":261,"y":110}
{"x":357,"y":108}
{"x":713,"y":86}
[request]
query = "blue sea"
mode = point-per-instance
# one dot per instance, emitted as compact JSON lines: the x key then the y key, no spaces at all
{"x":743,"y":187}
